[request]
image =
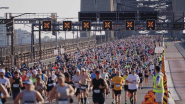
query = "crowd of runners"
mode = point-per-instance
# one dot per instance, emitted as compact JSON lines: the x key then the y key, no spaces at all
{"x":124,"y":64}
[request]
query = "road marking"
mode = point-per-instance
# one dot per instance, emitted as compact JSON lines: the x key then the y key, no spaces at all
{"x":172,"y":52}
{"x":174,"y":58}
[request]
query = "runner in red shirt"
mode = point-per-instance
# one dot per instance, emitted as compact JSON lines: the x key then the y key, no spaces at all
{"x":24,"y":78}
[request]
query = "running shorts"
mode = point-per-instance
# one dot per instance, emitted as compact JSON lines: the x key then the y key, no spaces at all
{"x":132,"y":90}
{"x":98,"y":99}
{"x":116,"y":92}
{"x":126,"y":87}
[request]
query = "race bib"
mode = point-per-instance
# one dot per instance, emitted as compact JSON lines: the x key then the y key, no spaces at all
{"x":15,"y":85}
{"x":134,"y":81}
{"x":83,"y":87}
{"x":77,"y":84}
{"x":63,"y":102}
{"x":118,"y":85}
{"x":51,"y":84}
{"x":97,"y":91}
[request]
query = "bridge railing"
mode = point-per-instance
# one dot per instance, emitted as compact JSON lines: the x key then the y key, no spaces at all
{"x":4,"y":51}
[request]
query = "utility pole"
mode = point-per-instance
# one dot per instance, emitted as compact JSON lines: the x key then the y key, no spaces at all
{"x":77,"y":38}
{"x":32,"y":43}
{"x":40,"y":40}
{"x":12,"y":42}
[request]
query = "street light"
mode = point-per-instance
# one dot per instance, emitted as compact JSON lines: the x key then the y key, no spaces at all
{"x":4,"y":7}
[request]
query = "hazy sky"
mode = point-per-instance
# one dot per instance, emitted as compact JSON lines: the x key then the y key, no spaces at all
{"x":63,"y":8}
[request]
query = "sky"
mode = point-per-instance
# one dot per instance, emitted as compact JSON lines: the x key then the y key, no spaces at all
{"x":63,"y":8}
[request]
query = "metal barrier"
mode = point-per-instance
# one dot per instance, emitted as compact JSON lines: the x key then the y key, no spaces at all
{"x":4,"y":51}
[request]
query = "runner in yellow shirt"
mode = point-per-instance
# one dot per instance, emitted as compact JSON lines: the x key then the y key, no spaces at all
{"x":118,"y":83}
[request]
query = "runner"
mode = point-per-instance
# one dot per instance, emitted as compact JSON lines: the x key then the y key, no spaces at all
{"x":126,"y":85}
{"x":146,"y":75}
{"x":105,"y":77}
{"x":40,"y":86}
{"x":62,"y":92}
{"x":43,"y":76}
{"x":33,"y":77}
{"x":5,"y":82}
{"x":98,"y":85}
{"x":50,"y":84}
{"x":76,"y":82}
{"x":3,"y":93}
{"x":118,"y":83}
{"x":29,"y":95}
{"x":112,"y":85}
{"x":68,"y":81}
{"x":83,"y":79}
{"x":16,"y":84}
{"x":140,"y":74}
{"x":24,"y":78}
{"x":133,"y":81}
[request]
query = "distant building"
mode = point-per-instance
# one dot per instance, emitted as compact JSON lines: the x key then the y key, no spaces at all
{"x":97,"y":5}
{"x":22,"y":37}
{"x":3,"y":37}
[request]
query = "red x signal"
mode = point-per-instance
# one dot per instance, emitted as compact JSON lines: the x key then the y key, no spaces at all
{"x":107,"y":24}
{"x":129,"y":24}
{"x":67,"y":25}
{"x":86,"y":24}
{"x":150,"y":24}
{"x":46,"y":25}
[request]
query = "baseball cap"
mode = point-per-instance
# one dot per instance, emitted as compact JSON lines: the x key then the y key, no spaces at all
{"x":25,"y":69}
{"x":34,"y":72}
{"x":18,"y":70}
{"x":2,"y":70}
{"x":38,"y":69}
{"x":28,"y":82}
{"x":97,"y":72}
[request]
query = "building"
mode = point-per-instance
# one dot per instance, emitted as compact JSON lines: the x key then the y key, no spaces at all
{"x":22,"y":37}
{"x":96,"y":5}
{"x":3,"y":37}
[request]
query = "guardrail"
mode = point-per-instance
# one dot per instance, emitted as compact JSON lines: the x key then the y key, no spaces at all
{"x":5,"y":51}
{"x":25,"y":57}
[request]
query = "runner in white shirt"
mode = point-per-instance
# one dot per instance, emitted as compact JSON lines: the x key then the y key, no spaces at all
{"x":76,"y":81}
{"x":4,"y":81}
{"x":133,"y":80}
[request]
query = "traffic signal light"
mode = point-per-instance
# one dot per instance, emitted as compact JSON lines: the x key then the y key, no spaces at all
{"x":107,"y":25}
{"x":150,"y":24}
{"x":130,"y":25}
{"x":46,"y":25}
{"x":86,"y":25}
{"x":67,"y":25}
{"x":8,"y":30}
{"x":53,"y":32}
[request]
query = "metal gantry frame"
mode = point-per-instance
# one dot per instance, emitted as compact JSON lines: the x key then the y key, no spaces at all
{"x":38,"y":22}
